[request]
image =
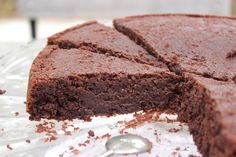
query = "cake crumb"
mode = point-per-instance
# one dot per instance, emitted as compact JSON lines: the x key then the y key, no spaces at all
{"x":9,"y":147}
{"x":174,"y":130}
{"x":186,"y":148}
{"x":174,"y":153}
{"x":75,"y":152}
{"x":27,"y":141}
{"x":106,"y":136}
{"x":91,"y":133}
{"x":76,"y":128}
{"x":61,"y":155}
{"x":2,"y":91}
{"x":71,"y":147}
{"x":177,"y":149}
{"x":17,"y":114}
{"x":49,"y":129}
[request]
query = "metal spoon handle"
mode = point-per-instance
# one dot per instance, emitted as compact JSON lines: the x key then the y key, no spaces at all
{"x":107,"y":154}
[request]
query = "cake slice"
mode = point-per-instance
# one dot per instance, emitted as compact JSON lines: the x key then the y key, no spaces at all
{"x":78,"y":83}
{"x":102,"y":39}
{"x":202,"y":48}
{"x":209,"y":107}
{"x":203,"y":45}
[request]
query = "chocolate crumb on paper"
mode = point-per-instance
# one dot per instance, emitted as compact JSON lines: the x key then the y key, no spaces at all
{"x":28,"y":141}
{"x":107,"y":135}
{"x":62,"y":154}
{"x":2,"y":91}
{"x":9,"y":147}
{"x":140,"y":118}
{"x":49,"y":129}
{"x":174,"y":130}
{"x":91,"y":133}
{"x":177,"y":149}
{"x":16,"y":114}
{"x":192,"y":155}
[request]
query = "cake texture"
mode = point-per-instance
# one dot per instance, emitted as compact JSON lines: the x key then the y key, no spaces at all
{"x":102,"y":39}
{"x":209,"y":108}
{"x":203,"y":45}
{"x":77,"y":83}
{"x":186,"y":63}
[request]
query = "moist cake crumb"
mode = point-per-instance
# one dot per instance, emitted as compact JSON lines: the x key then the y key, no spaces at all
{"x":174,"y":130}
{"x":16,"y":114}
{"x":122,"y":77}
{"x":28,"y":141}
{"x":91,"y":133}
{"x":2,"y":91}
{"x":9,"y":147}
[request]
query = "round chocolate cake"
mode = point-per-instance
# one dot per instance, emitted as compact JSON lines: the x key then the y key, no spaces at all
{"x":186,"y":63}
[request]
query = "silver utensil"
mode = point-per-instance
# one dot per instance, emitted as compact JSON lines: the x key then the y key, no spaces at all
{"x":127,"y":144}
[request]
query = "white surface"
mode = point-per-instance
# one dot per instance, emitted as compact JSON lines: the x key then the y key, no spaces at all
{"x":118,"y":8}
{"x":14,"y":68}
{"x":18,"y":29}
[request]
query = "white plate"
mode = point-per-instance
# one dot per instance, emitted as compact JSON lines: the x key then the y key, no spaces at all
{"x":16,"y":130}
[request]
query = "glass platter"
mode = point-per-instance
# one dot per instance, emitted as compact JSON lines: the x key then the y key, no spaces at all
{"x":20,"y":137}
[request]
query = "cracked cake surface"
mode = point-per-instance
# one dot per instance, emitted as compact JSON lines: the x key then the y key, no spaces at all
{"x":203,"y":45}
{"x":185,"y":63}
{"x":102,"y":39}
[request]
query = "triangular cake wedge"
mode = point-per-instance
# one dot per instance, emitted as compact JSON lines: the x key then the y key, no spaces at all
{"x":102,"y":39}
{"x":203,"y":45}
{"x":209,"y":107}
{"x":77,"y":83}
{"x":202,"y":48}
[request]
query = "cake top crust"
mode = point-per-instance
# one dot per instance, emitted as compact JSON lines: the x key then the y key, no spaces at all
{"x":204,"y":45}
{"x":103,"y":39}
{"x":54,"y":62}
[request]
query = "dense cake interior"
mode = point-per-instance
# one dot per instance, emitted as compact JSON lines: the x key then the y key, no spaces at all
{"x":77,"y":83}
{"x":102,"y":94}
{"x":198,"y":111}
{"x":84,"y":83}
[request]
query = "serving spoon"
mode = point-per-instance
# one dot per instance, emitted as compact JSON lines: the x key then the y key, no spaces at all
{"x":127,"y":144}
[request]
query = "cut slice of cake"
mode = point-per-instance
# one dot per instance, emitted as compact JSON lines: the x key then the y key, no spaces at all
{"x":209,"y":107}
{"x":92,"y":69}
{"x":202,"y":48}
{"x":102,"y":39}
{"x":77,"y":83}
{"x":203,"y":45}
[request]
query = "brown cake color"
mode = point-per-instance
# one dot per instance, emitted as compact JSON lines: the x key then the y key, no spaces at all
{"x":77,"y":83}
{"x":92,"y":69}
{"x":209,"y":108}
{"x":102,"y":39}
{"x":204,"y":45}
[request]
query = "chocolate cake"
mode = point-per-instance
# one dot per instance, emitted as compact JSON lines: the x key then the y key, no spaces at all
{"x":209,"y":108}
{"x":77,"y":83}
{"x":185,"y":63}
{"x":101,"y":39}
{"x":203,"y":45}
